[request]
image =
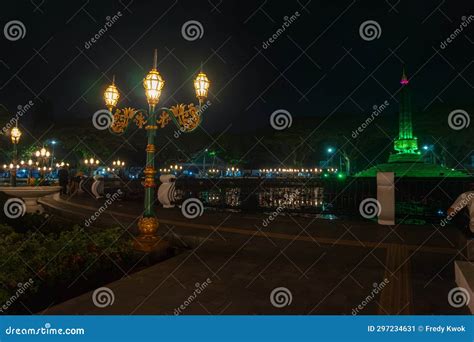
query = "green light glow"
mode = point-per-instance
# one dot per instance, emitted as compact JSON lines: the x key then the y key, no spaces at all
{"x":406,"y":142}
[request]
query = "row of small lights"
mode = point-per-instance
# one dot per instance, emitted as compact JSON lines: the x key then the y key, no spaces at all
{"x":22,"y":164}
{"x":297,"y":170}
{"x":172,"y":168}
{"x":93,"y":161}
{"x":280,"y":202}
{"x":179,"y":168}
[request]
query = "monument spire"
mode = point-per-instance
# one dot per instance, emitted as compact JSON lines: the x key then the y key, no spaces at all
{"x":405,"y":120}
{"x":406,"y":145}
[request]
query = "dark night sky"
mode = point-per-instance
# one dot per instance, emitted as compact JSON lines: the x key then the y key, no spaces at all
{"x":320,"y":65}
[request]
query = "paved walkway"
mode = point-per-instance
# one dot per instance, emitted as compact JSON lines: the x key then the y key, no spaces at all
{"x":325,"y":266}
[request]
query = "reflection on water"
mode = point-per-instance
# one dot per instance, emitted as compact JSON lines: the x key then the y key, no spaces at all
{"x":230,"y":198}
{"x":276,"y":197}
{"x":291,"y":198}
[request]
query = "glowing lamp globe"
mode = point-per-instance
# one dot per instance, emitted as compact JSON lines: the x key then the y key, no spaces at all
{"x":201,"y":85}
{"x":15,"y":135}
{"x":111,"y":96}
{"x":153,"y":84}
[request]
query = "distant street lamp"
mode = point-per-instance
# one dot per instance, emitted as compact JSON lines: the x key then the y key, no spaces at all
{"x":342,"y":156}
{"x":90,"y":163}
{"x":42,"y":156}
{"x":53,"y":142}
{"x":186,"y":117}
{"x":117,"y":163}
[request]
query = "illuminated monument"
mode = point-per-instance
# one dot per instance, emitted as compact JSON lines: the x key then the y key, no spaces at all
{"x":407,"y":160}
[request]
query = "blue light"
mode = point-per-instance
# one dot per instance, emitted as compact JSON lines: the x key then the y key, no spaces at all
{"x":330,"y":150}
{"x":426,"y":147}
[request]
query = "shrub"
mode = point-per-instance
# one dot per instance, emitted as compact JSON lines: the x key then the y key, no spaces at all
{"x":55,"y":260}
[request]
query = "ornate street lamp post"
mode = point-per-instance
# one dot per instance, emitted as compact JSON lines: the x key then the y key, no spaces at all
{"x":15,"y":135}
{"x":42,"y":157}
{"x":90,"y":163}
{"x":186,"y":117}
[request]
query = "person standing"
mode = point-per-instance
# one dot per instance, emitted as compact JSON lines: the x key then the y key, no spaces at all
{"x":63,"y":176}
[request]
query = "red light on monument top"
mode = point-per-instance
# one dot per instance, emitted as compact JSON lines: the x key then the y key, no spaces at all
{"x":404,"y":79}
